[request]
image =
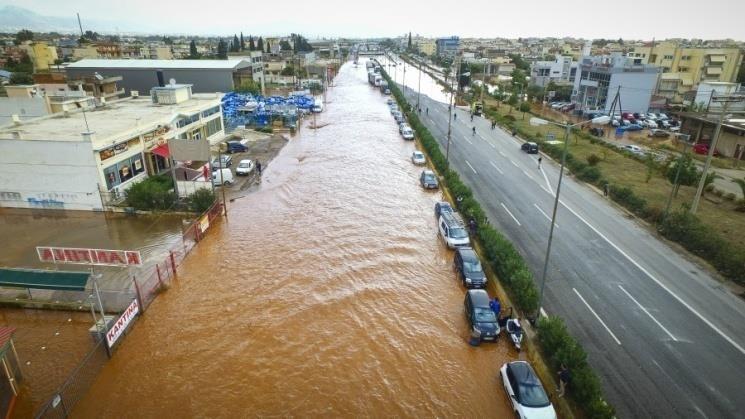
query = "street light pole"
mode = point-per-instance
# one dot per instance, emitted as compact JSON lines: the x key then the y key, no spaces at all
{"x":419,"y":87}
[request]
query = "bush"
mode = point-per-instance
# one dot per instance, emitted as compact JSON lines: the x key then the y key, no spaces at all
{"x":590,"y":174}
{"x":730,"y":197}
{"x":153,"y":193}
{"x":267,"y":129}
{"x":593,"y":159}
{"x":201,"y":200}
{"x":740,"y":205}
{"x":628,"y":199}
{"x":718,"y":192}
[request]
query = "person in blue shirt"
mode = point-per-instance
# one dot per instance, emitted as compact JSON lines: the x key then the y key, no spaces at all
{"x":495,"y":306}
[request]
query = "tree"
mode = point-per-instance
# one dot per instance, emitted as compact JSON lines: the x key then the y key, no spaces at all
{"x":243,"y":43}
{"x":524,"y":107}
{"x":284,"y":45}
{"x":409,"y":45}
{"x":21,"y":78}
{"x":167,"y":40}
{"x":91,"y":36}
{"x":268,"y":47}
{"x":512,"y":101}
{"x":300,"y":44}
{"x":201,"y":200}
{"x":519,"y":77}
{"x":519,"y":62}
{"x":688,"y":173}
{"x":249,"y":86}
{"x":24,"y":35}
{"x":251,"y":45}
{"x":535,"y":92}
{"x":222,"y":50}
{"x":260,"y":44}
{"x":235,"y":46}
{"x":193,"y":54}
{"x":741,"y":74}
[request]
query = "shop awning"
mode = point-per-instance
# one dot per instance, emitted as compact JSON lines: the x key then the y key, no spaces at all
{"x":45,"y":280}
{"x":162,"y":151}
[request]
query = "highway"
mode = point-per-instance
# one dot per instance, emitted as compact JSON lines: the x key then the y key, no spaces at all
{"x":666,"y":338}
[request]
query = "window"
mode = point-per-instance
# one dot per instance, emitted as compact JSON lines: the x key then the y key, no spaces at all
{"x":118,"y":173}
{"x":188,"y":120}
{"x":685,"y":57}
{"x":210,"y":111}
{"x":214,"y":126}
{"x":668,"y":57}
{"x":196,"y":134}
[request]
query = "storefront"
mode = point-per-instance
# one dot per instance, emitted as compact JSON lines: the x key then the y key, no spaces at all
{"x":121,"y":163}
{"x":157,"y":154}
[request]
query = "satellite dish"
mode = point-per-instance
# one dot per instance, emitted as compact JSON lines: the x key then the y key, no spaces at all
{"x":172,"y":82}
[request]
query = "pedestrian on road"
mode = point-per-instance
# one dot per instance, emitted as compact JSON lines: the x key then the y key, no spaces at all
{"x":258,"y":167}
{"x":474,"y":131}
{"x":606,"y":189}
{"x":471,"y":117}
{"x":564,"y":378}
{"x":472,"y":226}
{"x":427,"y":111}
{"x":493,"y":125}
{"x":455,"y":116}
{"x":540,"y":159}
{"x":495,"y":306}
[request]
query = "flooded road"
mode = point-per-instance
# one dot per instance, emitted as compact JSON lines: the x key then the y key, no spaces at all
{"x":326,"y":294}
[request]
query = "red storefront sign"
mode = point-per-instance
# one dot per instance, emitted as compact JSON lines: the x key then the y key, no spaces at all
{"x":80,"y":256}
{"x":121,"y":323}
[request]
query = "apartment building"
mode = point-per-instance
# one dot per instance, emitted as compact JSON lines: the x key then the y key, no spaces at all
{"x":684,"y":67}
{"x":426,"y":46}
{"x":562,"y":70}
{"x":47,"y":163}
{"x":42,"y":55}
{"x":447,"y":47}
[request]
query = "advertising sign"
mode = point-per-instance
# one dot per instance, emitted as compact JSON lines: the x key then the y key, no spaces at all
{"x":94,"y":257}
{"x":122,"y":323}
{"x":189,"y":149}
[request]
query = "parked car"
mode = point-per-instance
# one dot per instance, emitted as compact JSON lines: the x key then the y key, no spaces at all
{"x":651,"y":124}
{"x":408,"y":133}
{"x":703,"y":148}
{"x":235,"y":147}
{"x":401,"y":127}
{"x":525,"y":391}
{"x":662,"y":116}
{"x":632,"y":127}
{"x":665,"y":123}
{"x":399,"y":117}
{"x":245,"y":167}
{"x":480,"y":316}
{"x":468,"y":268}
{"x":441,"y":207}
{"x":568,"y":107}
{"x":222,"y":177}
{"x":428,"y":180}
{"x":635,"y":149}
{"x":658,"y":133}
{"x":529,"y":147}
{"x":452,"y":230}
{"x":222,"y":162}
{"x":390,"y":102}
{"x":651,"y":116}
{"x":417,"y":157}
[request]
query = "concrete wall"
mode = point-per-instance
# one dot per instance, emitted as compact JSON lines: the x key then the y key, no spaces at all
{"x":48,"y":174}
{"x":142,"y":80}
{"x":24,"y":107}
{"x":636,"y":90}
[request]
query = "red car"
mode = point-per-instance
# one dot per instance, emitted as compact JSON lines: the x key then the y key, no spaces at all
{"x":703,"y":148}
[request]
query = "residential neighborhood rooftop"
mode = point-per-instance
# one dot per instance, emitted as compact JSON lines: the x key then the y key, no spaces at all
{"x":160,"y":64}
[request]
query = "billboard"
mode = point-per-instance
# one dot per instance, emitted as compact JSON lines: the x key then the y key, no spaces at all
{"x":189,"y":149}
{"x":121,"y":324}
{"x":93,"y":257}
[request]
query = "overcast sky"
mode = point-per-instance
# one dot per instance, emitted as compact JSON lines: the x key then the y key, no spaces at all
{"x":629,"y":19}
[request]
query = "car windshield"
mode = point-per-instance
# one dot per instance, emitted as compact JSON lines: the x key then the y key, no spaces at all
{"x":429,"y":177}
{"x":458,"y":233}
{"x":244,"y":165}
{"x":533,"y":395}
{"x":418,"y":155}
{"x":472,"y":267}
{"x":484,"y":315}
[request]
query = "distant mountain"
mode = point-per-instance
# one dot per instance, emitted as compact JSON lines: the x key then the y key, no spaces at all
{"x":14,"y":18}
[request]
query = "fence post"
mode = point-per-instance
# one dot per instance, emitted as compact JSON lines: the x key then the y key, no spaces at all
{"x":160,"y":279}
{"x":173,"y":264}
{"x":138,"y":293}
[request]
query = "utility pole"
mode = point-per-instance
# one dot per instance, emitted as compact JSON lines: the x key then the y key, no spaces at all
{"x":725,"y":101}
{"x":80,"y":25}
{"x":419,"y":87}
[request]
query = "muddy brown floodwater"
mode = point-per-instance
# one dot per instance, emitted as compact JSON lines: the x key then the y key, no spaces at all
{"x":326,"y":294}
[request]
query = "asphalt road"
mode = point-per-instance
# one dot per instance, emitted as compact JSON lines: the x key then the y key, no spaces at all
{"x":666,"y":338}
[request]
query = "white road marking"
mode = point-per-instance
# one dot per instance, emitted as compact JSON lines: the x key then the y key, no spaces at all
{"x":528,"y":175}
{"x":467,"y":140}
{"x":502,"y":153}
{"x":513,"y":163}
{"x":663,"y":286}
{"x":648,"y":313}
{"x":498,"y":169}
{"x":492,"y":145}
{"x":545,"y":215}
{"x":508,"y":212}
{"x":596,"y":316}
{"x":469,"y":165}
{"x":547,"y":182}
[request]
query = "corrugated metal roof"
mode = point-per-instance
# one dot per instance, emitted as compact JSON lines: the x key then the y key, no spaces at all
{"x":6,"y":333}
{"x":160,"y":64}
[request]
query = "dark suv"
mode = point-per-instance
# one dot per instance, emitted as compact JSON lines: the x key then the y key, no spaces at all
{"x":468,"y":268}
{"x":530,"y":148}
{"x":480,"y":316}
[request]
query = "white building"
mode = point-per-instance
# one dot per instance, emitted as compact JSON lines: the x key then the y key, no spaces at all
{"x":78,"y":161}
{"x":561,"y":70}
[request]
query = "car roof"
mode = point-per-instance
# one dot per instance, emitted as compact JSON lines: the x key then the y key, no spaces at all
{"x":418,"y":152}
{"x":524,"y":373}
{"x":428,"y":172}
{"x":245,"y":161}
{"x":467,"y":253}
{"x":479,"y":297}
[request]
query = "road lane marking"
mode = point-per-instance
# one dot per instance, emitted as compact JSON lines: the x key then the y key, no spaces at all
{"x":498,"y":169}
{"x":528,"y":175}
{"x":467,"y":140}
{"x":545,"y":215}
{"x":596,"y":316}
{"x":547,"y":182}
{"x":469,"y":165}
{"x":663,"y":286}
{"x":502,"y":153}
{"x":513,"y":163}
{"x":492,"y":145}
{"x":508,"y":212}
{"x":648,"y":313}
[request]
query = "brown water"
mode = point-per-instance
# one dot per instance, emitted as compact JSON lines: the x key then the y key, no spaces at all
{"x":326,"y":294}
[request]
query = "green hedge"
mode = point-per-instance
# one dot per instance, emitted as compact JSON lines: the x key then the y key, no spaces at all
{"x":153,"y":193}
{"x":513,"y":272}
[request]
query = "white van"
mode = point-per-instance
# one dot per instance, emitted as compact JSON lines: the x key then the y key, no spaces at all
{"x":318,"y":106}
{"x":452,"y":230}
{"x":222,"y":177}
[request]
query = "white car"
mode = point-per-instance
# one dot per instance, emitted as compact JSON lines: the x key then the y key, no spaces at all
{"x":525,"y":391}
{"x":662,"y":116}
{"x":407,"y":133}
{"x":417,"y":157}
{"x":651,"y":124}
{"x":245,"y":167}
{"x":634,"y":149}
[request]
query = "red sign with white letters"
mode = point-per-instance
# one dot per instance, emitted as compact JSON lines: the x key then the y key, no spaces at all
{"x":100,"y":257}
